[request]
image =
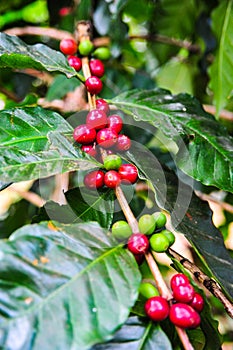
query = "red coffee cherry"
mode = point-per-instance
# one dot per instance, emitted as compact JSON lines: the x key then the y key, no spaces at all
{"x":184,"y":293}
{"x":178,"y":279}
{"x":157,"y":308}
{"x":102,"y":105}
{"x":106,"y":138}
{"x":128,"y":173}
{"x":96,"y":119}
{"x":123,"y":143}
{"x":64,"y":11}
{"x":94,"y":85}
{"x":112,"y":179}
{"x":96,"y":68}
{"x":184,"y":316}
{"x":89,"y":149}
{"x":197,"y":303}
{"x":75,"y":62}
{"x":84,"y":134}
{"x":68,"y":46}
{"x":139,"y":258}
{"x":138,"y":243}
{"x":115,"y":122}
{"x":94,"y":179}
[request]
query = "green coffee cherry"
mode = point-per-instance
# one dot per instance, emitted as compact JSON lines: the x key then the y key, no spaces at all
{"x":159,"y":242}
{"x":146,"y":224}
{"x":147,"y":290}
{"x":160,"y":219}
{"x":170,"y":236}
{"x":85,"y":47}
{"x":112,"y":162}
{"x":121,"y":230}
{"x":103,"y":53}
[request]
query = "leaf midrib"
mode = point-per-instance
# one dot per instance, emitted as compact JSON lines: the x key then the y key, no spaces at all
{"x":13,"y":142}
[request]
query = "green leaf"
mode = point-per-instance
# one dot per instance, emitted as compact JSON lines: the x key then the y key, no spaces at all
{"x":14,"y":53}
{"x":206,"y":154}
{"x":32,"y":145}
{"x":54,"y":211}
{"x":221,"y":70}
{"x":92,"y":205}
{"x":137,"y":335}
{"x":55,"y":91}
{"x":190,"y":215}
{"x":67,"y":284}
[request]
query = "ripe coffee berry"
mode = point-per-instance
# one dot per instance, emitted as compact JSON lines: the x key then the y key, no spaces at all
{"x":159,"y":243}
{"x":197,"y":302}
{"x":146,"y":224}
{"x":106,"y":138}
{"x":96,"y":119}
{"x":112,"y":179}
{"x":75,"y":62}
{"x":112,"y":161}
{"x":96,"y":68}
{"x":139,"y":258}
{"x":121,"y":230}
{"x":128,"y":173}
{"x":138,"y":243}
{"x":94,"y":85}
{"x":102,"y":105}
{"x":85,"y":47}
{"x":115,"y":122}
{"x":178,"y":279}
{"x":84,"y":134}
{"x":184,"y":316}
{"x":102,"y":53}
{"x":94,"y":179}
{"x":184,"y":293}
{"x":123,"y":143}
{"x":68,"y":46}
{"x":148,"y":290}
{"x":157,"y":308}
{"x":160,"y":219}
{"x":89,"y":149}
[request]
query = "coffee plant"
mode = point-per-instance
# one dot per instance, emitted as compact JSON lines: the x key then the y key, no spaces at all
{"x":116,"y":175}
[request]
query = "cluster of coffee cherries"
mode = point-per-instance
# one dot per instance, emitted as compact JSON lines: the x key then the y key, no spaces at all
{"x":75,"y":52}
{"x":183,"y":310}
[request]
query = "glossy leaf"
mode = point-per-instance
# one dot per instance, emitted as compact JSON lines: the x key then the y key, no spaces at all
{"x":14,"y":53}
{"x":92,"y":205}
{"x":69,"y":285}
{"x":190,"y":215}
{"x":55,"y":91}
{"x":205,"y":147}
{"x":37,"y":143}
{"x":221,"y":70}
{"x":137,"y":334}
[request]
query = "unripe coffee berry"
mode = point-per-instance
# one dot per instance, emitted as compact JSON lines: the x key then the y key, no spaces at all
{"x":123,"y":143}
{"x":96,"y":119}
{"x":85,"y":47}
{"x":103,"y":53}
{"x":178,"y":279}
{"x":94,"y":179}
{"x":170,"y":236}
{"x":115,"y":122}
{"x":112,"y":179}
{"x":84,"y":134}
{"x":157,"y":308}
{"x":160,"y":219}
{"x":68,"y":46}
{"x":197,"y":302}
{"x":148,"y":290}
{"x":121,"y":230}
{"x":128,"y":173}
{"x":184,"y":316}
{"x":75,"y":62}
{"x":102,"y":105}
{"x":138,"y":243}
{"x":112,"y":161}
{"x":184,"y":293}
{"x":146,"y":224}
{"x":159,"y":243}
{"x":96,"y":68}
{"x":106,"y":138}
{"x":94,"y":85}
